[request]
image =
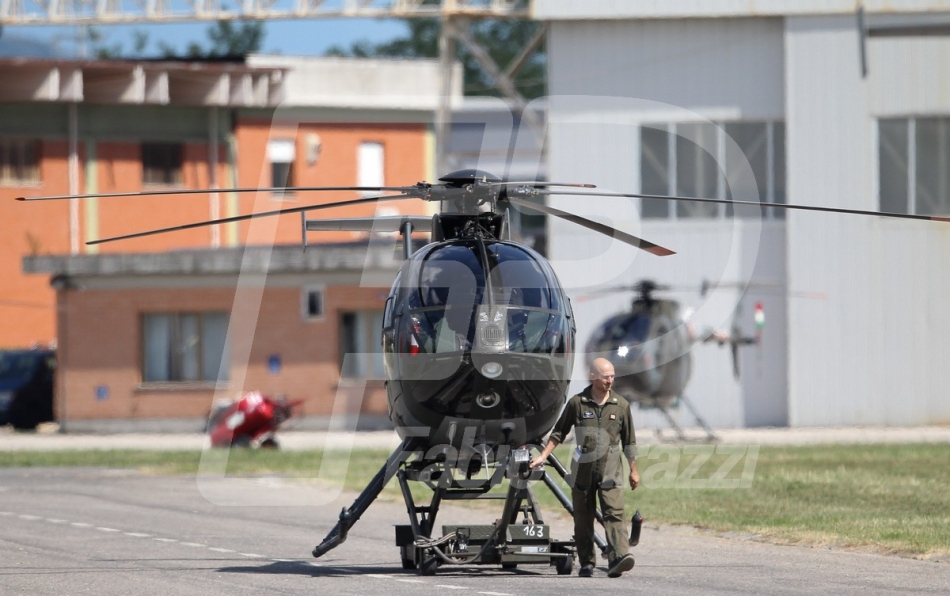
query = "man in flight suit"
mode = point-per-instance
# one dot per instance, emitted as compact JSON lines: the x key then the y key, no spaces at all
{"x":603,"y":427}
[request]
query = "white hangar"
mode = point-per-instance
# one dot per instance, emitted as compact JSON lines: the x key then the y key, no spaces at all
{"x":778,"y":101}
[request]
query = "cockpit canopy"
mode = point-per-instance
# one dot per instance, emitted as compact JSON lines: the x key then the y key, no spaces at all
{"x":450,"y":297}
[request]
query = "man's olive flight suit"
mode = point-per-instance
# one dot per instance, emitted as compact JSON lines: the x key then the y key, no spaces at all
{"x":601,"y":432}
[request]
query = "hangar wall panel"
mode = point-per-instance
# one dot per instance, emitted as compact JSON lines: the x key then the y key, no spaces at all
{"x":721,"y":69}
{"x":873,"y":352}
{"x":606,"y":78}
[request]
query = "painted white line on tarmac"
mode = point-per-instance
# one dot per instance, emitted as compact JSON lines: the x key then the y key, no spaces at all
{"x":451,"y":587}
{"x":53,"y":520}
{"x":494,"y":594}
{"x":410,"y":581}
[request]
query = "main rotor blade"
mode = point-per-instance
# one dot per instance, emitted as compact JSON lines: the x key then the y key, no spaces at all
{"x":640,"y":243}
{"x":536,"y":183}
{"x":224,"y":220}
{"x":207,"y":191}
{"x":749,"y":203}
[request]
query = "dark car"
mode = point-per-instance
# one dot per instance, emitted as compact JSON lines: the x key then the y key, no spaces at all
{"x":26,"y":387}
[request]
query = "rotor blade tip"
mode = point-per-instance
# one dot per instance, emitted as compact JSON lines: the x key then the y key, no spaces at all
{"x":660,"y":251}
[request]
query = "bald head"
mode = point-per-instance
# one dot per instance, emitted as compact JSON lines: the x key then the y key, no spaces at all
{"x":601,"y":377}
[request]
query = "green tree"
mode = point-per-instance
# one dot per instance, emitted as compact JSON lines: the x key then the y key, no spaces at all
{"x":503,"y":39}
{"x":226,"y":39}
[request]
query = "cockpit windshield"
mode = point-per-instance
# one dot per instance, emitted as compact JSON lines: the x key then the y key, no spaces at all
{"x":452,"y":288}
{"x":633,"y":330}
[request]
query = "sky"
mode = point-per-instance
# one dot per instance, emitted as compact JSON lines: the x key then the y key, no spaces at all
{"x":302,"y":37}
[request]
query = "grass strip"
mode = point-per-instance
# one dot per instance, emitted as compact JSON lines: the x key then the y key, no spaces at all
{"x":883,"y":498}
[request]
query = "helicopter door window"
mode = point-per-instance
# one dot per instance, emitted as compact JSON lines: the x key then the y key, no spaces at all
{"x":388,"y":313}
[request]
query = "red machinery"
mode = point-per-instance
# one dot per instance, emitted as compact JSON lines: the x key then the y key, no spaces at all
{"x":251,"y":421}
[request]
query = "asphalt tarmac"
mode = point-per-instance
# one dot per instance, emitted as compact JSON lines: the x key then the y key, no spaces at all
{"x":118,"y":532}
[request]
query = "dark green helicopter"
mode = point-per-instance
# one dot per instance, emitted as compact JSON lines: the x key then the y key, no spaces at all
{"x":650,"y":346}
{"x":478,"y":339}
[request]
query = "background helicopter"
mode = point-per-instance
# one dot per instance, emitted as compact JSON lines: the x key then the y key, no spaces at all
{"x":650,"y":346}
{"x":479,"y":347}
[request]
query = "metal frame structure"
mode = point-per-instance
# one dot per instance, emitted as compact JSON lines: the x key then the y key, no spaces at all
{"x":109,"y":12}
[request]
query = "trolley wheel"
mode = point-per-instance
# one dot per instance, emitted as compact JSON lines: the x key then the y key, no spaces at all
{"x":509,"y":565}
{"x":429,"y":566}
{"x":270,"y":443}
{"x":564,"y":565}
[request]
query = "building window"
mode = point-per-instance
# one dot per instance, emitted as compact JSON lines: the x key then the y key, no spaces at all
{"x":311,"y":302}
{"x":19,"y":161}
{"x":914,"y":165}
{"x":361,"y":347}
{"x":692,"y":160}
{"x":370,"y":161}
{"x":185,"y":347}
{"x":162,"y":163}
{"x":281,"y":154}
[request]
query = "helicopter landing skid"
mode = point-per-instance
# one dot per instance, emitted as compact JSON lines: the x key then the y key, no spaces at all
{"x":506,"y":542}
{"x":710,"y":437}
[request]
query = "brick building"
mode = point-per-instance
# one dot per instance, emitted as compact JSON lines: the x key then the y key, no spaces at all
{"x":142,"y":335}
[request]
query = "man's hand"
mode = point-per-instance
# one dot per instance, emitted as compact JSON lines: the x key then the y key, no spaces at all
{"x":634,"y":478}
{"x":537,"y":461}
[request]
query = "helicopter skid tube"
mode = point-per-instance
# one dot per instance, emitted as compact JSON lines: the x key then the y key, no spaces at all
{"x":351,"y":515}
